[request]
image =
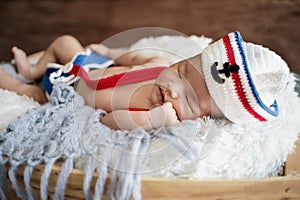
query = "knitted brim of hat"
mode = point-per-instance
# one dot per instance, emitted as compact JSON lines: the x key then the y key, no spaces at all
{"x":229,"y":80}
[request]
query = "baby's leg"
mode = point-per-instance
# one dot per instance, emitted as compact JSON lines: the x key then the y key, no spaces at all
{"x":124,"y":58}
{"x":8,"y":82}
{"x":105,"y":51}
{"x":61,"y":50}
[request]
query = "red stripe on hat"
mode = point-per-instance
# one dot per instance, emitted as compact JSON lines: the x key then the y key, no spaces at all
{"x":237,"y":81}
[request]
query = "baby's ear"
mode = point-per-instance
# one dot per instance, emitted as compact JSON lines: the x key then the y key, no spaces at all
{"x":215,"y":111}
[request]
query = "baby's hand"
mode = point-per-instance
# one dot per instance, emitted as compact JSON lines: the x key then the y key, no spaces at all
{"x":164,"y":115}
{"x":171,"y":117}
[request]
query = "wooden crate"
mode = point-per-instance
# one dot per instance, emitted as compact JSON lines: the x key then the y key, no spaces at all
{"x":282,"y":187}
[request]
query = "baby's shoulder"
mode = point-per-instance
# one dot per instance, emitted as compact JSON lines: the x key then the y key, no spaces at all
{"x":113,"y":70}
{"x":148,"y":65}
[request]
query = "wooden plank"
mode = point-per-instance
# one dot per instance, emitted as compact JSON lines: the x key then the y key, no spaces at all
{"x":286,"y":187}
{"x":268,"y":188}
{"x":292,"y":165}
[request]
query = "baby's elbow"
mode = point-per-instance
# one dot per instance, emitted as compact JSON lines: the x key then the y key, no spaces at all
{"x":132,"y":57}
{"x":159,"y":60}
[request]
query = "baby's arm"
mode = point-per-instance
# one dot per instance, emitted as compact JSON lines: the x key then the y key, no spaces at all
{"x":157,"y":117}
{"x":124,"y":58}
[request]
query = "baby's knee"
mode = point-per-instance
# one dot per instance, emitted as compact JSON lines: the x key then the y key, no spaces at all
{"x":66,"y":39}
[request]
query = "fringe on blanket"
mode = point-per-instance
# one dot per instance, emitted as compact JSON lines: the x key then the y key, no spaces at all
{"x":63,"y":128}
{"x":38,"y":137}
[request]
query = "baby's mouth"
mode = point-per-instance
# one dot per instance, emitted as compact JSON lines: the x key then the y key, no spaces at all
{"x":162,"y":94}
{"x":174,"y":105}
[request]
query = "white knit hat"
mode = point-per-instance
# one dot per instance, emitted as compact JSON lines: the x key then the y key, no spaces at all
{"x":244,"y":79}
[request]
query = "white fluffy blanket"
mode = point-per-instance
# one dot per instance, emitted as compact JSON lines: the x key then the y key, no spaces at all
{"x":227,"y":150}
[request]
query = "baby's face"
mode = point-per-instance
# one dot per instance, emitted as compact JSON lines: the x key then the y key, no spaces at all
{"x":183,"y":85}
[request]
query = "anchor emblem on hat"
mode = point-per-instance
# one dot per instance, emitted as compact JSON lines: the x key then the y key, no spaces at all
{"x":220,"y":75}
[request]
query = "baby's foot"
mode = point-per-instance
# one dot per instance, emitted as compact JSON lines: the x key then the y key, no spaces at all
{"x":22,"y":63}
{"x":34,"y":92}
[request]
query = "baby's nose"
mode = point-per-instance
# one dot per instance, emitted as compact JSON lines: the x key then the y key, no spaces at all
{"x":168,"y":93}
{"x":173,"y":94}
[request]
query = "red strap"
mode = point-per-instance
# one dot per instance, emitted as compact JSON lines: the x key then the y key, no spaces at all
{"x":137,"y":109}
{"x":117,"y":79}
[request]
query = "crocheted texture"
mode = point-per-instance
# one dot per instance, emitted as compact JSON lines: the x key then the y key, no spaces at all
{"x":55,"y":131}
{"x":249,"y":93}
{"x":65,"y":128}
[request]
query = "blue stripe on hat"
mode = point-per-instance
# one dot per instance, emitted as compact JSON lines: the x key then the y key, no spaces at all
{"x":275,"y":112}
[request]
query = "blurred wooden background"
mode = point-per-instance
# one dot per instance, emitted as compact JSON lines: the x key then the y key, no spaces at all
{"x":33,"y":24}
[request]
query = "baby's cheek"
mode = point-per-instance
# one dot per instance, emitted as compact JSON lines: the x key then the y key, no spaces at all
{"x":178,"y":108}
